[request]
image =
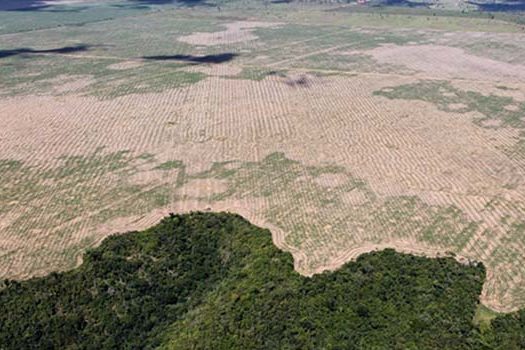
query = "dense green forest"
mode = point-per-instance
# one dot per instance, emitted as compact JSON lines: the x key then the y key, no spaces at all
{"x":214,"y":281}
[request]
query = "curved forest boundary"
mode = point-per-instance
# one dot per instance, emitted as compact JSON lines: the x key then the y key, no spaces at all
{"x":215,"y":281}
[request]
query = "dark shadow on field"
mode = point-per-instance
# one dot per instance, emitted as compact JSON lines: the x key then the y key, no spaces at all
{"x":174,"y":2}
{"x":302,"y":81}
{"x":27,"y":51}
{"x":503,"y":6}
{"x":36,"y":5}
{"x":131,"y":6}
{"x":52,"y":6}
{"x":399,"y":3}
{"x":215,"y":59}
{"x":21,"y":5}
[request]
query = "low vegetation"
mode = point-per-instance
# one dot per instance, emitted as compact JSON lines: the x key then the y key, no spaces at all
{"x":449,"y":99}
{"x":214,"y":281}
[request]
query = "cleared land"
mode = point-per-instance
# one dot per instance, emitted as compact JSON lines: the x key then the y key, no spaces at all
{"x":352,"y":133}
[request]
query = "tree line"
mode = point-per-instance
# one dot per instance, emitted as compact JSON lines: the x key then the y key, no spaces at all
{"x":214,"y":281}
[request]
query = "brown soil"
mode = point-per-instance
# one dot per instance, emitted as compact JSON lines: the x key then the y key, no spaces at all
{"x":355,"y":197}
{"x":331,"y":180}
{"x":448,"y":62}
{"x":492,"y":123}
{"x":235,"y":32}
{"x":203,"y":188}
{"x":457,"y":106}
{"x":153,"y":176}
{"x":512,"y":108}
{"x":126,"y":65}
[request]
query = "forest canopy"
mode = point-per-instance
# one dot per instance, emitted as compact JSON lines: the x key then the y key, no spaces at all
{"x":215,"y":281}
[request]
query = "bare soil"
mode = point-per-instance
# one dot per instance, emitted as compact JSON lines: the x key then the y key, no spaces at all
{"x":126,"y":65}
{"x":448,"y":62}
{"x":235,"y":32}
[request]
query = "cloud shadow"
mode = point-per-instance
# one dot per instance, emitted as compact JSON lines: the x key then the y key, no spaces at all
{"x":504,"y":6}
{"x":399,"y":3}
{"x":36,"y":5}
{"x":189,"y":3}
{"x":214,"y":59}
{"x":56,"y":6}
{"x":27,"y":51}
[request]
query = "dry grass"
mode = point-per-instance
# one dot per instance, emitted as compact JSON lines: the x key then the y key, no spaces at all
{"x":448,"y":63}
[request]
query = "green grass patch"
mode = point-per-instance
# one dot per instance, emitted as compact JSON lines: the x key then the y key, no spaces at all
{"x":169,"y":165}
{"x":58,"y":16}
{"x":444,"y":95}
{"x":78,"y":191}
{"x":290,"y":188}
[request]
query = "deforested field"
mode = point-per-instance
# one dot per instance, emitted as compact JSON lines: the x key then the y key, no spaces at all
{"x":341,"y":131}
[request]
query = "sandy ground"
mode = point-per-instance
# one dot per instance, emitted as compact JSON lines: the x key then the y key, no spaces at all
{"x":235,"y":32}
{"x":126,"y":65}
{"x":448,"y":62}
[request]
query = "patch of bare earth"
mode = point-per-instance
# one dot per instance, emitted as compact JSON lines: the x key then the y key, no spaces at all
{"x":126,"y":65}
{"x":203,"y":188}
{"x":351,"y":53}
{"x":512,"y":108}
{"x":457,"y":106}
{"x":447,"y":62}
{"x":354,"y":198}
{"x":331,"y":180}
{"x":491,"y":123}
{"x":134,"y":222}
{"x":235,"y":32}
{"x":153,"y":176}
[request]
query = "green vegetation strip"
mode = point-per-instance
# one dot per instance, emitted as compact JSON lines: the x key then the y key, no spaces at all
{"x":445,"y":96}
{"x":496,"y":111}
{"x":214,"y":281}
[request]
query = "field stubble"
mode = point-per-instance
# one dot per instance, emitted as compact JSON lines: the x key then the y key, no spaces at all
{"x":333,"y":169}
